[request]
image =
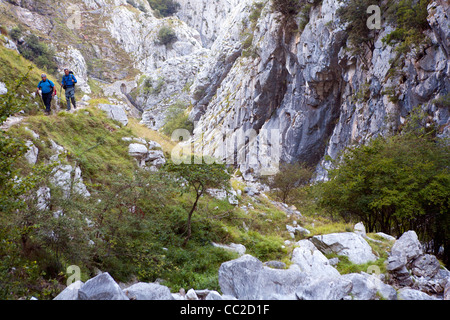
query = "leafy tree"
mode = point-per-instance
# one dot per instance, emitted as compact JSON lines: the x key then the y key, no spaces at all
{"x":199,"y":178}
{"x":166,"y":36}
{"x":290,"y":177}
{"x":354,"y":14}
{"x":287,"y":7}
{"x":164,"y":7}
{"x":395,"y":184}
{"x":36,"y":51}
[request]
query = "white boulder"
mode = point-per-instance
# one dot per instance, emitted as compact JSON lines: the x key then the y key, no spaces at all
{"x":347,"y":244}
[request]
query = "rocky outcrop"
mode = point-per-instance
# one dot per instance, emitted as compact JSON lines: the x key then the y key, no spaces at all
{"x":312,"y":262}
{"x":148,"y":291}
{"x":303,"y":85}
{"x":102,"y":287}
{"x":148,"y":154}
{"x":410,"y":267}
{"x":247,"y":279}
{"x":116,"y":113}
{"x":310,"y":277}
{"x":347,"y":244}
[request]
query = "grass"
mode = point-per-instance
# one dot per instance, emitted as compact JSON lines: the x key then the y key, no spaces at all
{"x":92,"y":140}
{"x":13,"y":65}
{"x":142,"y":131}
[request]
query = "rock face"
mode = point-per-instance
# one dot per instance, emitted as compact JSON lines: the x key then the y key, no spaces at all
{"x":148,"y":291}
{"x":71,"y":292}
{"x":408,"y":246}
{"x":102,"y":287}
{"x":303,"y":85}
{"x":246,"y":74}
{"x":247,"y":279}
{"x":325,"y":289}
{"x":347,"y":244}
{"x":115,"y":112}
{"x":312,"y":262}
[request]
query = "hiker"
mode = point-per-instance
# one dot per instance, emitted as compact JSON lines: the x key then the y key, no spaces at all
{"x":68,"y":83}
{"x":48,"y":92}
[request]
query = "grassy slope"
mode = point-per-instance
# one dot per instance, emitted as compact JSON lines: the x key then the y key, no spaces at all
{"x":13,"y":65}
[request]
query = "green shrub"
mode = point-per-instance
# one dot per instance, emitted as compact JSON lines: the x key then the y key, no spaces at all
{"x":166,"y":36}
{"x":395,"y":184}
{"x":177,"y":118}
{"x":443,"y":101}
{"x":39,"y":53}
{"x":164,"y":8}
{"x":16,"y":33}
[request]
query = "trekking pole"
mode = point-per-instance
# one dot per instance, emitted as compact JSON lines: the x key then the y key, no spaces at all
{"x":41,"y":101}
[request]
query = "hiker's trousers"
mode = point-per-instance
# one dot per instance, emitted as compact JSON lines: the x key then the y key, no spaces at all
{"x":70,"y":97}
{"x":47,"y":98}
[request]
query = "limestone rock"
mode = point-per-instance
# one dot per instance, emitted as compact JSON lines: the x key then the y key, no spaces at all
{"x":233,"y":247}
{"x":148,"y":291}
{"x":360,"y":229}
{"x":102,"y":287}
{"x":115,"y":112}
{"x":71,"y":292}
{"x":347,"y":244}
{"x":138,"y":150}
{"x":386,"y":236}
{"x":325,"y":289}
{"x":32,"y":154}
{"x":312,"y":262}
{"x":407,"y":245}
{"x":425,"y":266}
{"x":3,"y":89}
{"x":247,"y":279}
{"x":191,"y":295}
{"x":411,"y":294}
{"x":369,"y":287}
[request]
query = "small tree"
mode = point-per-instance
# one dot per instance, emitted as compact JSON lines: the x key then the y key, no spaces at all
{"x":291,"y":176}
{"x":164,"y":8}
{"x":199,"y":178}
{"x":167,"y":36}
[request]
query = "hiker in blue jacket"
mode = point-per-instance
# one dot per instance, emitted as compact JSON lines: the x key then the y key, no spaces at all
{"x":68,"y":83}
{"x":48,"y":91}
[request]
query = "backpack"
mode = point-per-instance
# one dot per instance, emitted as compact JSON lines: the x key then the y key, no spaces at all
{"x":64,"y":86}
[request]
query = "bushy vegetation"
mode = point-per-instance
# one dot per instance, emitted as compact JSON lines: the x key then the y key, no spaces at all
{"x":395,"y":184}
{"x":13,"y":66}
{"x":164,"y":8}
{"x":290,"y":177}
{"x":166,"y":36}
{"x":177,"y":118}
{"x":199,"y":176}
{"x":35,"y":50}
{"x":409,"y":17}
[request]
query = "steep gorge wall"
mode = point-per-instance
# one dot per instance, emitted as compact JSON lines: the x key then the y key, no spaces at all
{"x":304,"y":85}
